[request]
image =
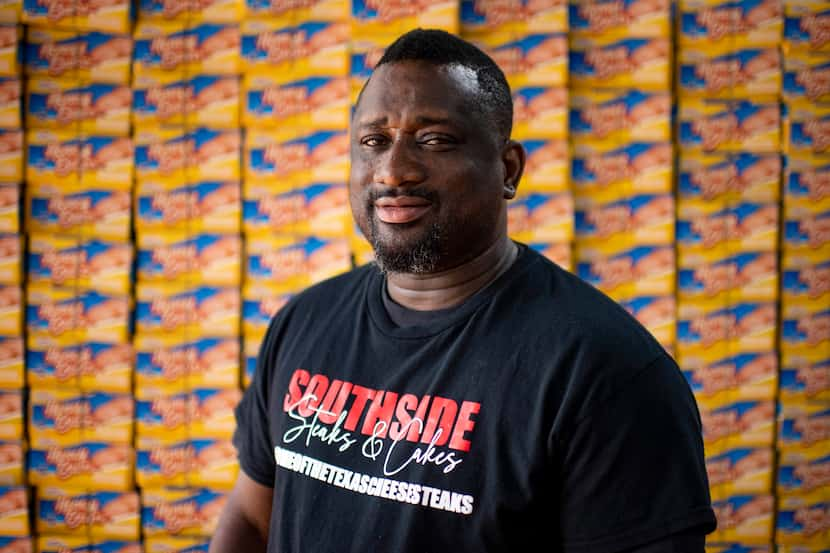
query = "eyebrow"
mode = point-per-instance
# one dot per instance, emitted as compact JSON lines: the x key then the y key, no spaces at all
{"x":383,"y":121}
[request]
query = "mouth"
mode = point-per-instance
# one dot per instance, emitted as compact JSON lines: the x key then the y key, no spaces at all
{"x":401,"y":209}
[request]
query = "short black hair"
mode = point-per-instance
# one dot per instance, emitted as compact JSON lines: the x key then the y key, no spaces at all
{"x":442,"y":48}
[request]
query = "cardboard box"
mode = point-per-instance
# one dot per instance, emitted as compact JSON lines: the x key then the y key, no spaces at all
{"x":637,"y":220}
{"x":180,"y":512}
{"x":537,"y":59}
{"x":657,"y":314}
{"x":78,"y":56}
{"x":99,"y":213}
{"x":66,"y":417}
{"x":11,"y":164}
{"x":10,"y":11}
{"x":10,"y":38}
{"x":739,"y":73}
{"x":634,"y":272}
{"x":745,"y":276}
{"x":319,"y":209}
{"x":169,"y":317}
{"x":204,"y":100}
{"x":546,"y":166}
{"x":388,"y":20}
{"x":111,"y":17}
{"x":178,"y":544}
{"x":805,"y":329}
{"x":214,"y":11}
{"x":805,"y":232}
{"x":540,"y":112}
{"x":89,"y":465}
{"x":806,"y":77}
{"x":90,"y":367}
{"x":729,"y":125}
{"x":803,"y":427}
{"x":11,"y":415}
{"x":729,"y":178}
{"x":808,"y":129}
{"x":805,"y":26}
{"x":72,"y":162}
{"x":14,"y":511}
{"x":633,"y":168}
{"x":12,"y":468}
{"x":743,"y":470}
{"x":59,"y":260}
{"x":718,"y":25}
{"x":803,"y":379}
{"x":287,"y":14}
{"x":539,"y":217}
{"x":171,"y":156}
{"x":91,"y":515}
{"x":67,"y":317}
{"x":205,"y":259}
{"x":10,"y":216}
{"x":746,"y":226}
{"x":11,"y":362}
{"x":803,"y":282}
{"x":709,"y":330}
{"x":803,"y":473}
{"x":745,"y":376}
{"x":611,"y":19}
{"x":744,"y":518}
{"x":194,"y":462}
{"x":608,"y":118}
{"x":10,"y":88}
{"x":199,"y":413}
{"x":802,"y":522}
{"x":11,"y":315}
{"x":642,"y":63}
{"x":83,"y":106}
{"x":79,"y":544}
{"x":807,"y":182}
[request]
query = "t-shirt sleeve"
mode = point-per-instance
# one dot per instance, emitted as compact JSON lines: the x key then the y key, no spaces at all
{"x":251,"y":437}
{"x":632,"y":470}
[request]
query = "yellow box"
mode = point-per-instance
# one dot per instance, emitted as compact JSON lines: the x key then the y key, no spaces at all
{"x":743,"y":276}
{"x":88,"y":367}
{"x":742,"y":227}
{"x":11,"y":310}
{"x":364,"y":54}
{"x":709,"y":330}
{"x":729,"y":125}
{"x":10,"y":103}
{"x":9,"y":207}
{"x":608,"y":118}
{"x":111,"y":17}
{"x":635,"y":220}
{"x":808,"y":129}
{"x":539,"y":59}
{"x":195,"y":462}
{"x":197,"y":414}
{"x":745,"y":376}
{"x":213,"y":11}
{"x":319,"y":210}
{"x":540,"y":113}
{"x":729,"y":178}
{"x":804,"y":329}
{"x":801,"y":522}
{"x":739,"y":73}
{"x":293,"y":108}
{"x":78,"y":56}
{"x":387,"y":20}
{"x":638,"y":271}
{"x":802,"y":427}
{"x":259,"y":309}
{"x":805,"y":26}
{"x":82,"y":106}
{"x":718,"y":25}
{"x":744,"y":518}
{"x":806,"y":230}
{"x":806,"y":77}
{"x":807,"y":182}
{"x":10,"y":36}
{"x":743,"y":470}
{"x":633,"y":168}
{"x":738,"y":424}
{"x":201,"y":363}
{"x":11,"y":419}
{"x":614,"y":20}
{"x":178,"y":544}
{"x":91,"y":515}
{"x":287,"y":13}
{"x":803,"y":281}
{"x":11,"y":258}
{"x":171,"y":156}
{"x":642,"y":63}
{"x":66,"y":317}
{"x":802,"y":473}
{"x":546,"y":166}
{"x":272,"y":166}
{"x":14,"y":516}
{"x":521,"y":17}
{"x":206,"y":259}
{"x":11,"y":362}
{"x":169,"y":51}
{"x":538,"y":217}
{"x":204,"y":100}
{"x":804,"y":377}
{"x":657,"y":314}
{"x":66,"y":417}
{"x":180,"y":512}
{"x":99,"y":213}
{"x":12,"y":466}
{"x":11,"y":158}
{"x":90,"y":465}
{"x":83,"y":265}
{"x":309,"y":49}
{"x":83,"y":544}
{"x":558,"y":252}
{"x":10,"y":11}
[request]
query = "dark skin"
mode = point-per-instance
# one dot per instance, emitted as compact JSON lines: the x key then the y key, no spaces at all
{"x":415,"y":126}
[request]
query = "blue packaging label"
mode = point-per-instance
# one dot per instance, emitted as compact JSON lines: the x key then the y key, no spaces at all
{"x":809,"y":232}
{"x":168,"y":52}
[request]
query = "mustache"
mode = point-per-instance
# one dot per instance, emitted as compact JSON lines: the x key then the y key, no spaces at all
{"x":399,"y":192}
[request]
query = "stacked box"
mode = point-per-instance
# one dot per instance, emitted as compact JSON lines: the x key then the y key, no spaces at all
{"x":173,"y":517}
{"x":729,"y":129}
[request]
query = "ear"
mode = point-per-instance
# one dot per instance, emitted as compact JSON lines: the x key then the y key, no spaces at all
{"x":513,"y":157}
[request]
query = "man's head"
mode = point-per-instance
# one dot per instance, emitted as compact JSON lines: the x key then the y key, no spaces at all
{"x":432,"y":162}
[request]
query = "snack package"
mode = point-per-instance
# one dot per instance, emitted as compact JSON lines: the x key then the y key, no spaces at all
{"x":807,"y":182}
{"x":288,"y":13}
{"x":539,"y":59}
{"x":538,"y":217}
{"x":205,"y":259}
{"x":82,"y":265}
{"x":202,"y":363}
{"x":297,"y":107}
{"x":258,"y":310}
{"x":11,"y":362}
{"x":209,"y":207}
{"x":520,"y":17}
{"x":803,"y":427}
{"x":76,"y":55}
{"x":638,"y":271}
{"x":803,"y":473}
{"x":10,"y":38}
{"x":742,"y":470}
{"x":806,"y":77}
{"x":802,"y":548}
{"x":11,"y":415}
{"x":364,"y":55}
{"x":177,"y":544}
{"x":199,"y":413}
{"x":803,"y":379}
{"x":635,"y":168}
{"x":12,"y":465}
{"x":204,"y":100}
{"x":805,"y":282}
{"x":740,"y":227}
{"x":11,"y":258}
{"x":284,"y":264}
{"x":169,"y":51}
{"x":745,"y":376}
{"x":729,"y":125}
{"x":180,"y":512}
{"x":80,"y":106}
{"x":110,"y":17}
{"x":709,"y":330}
{"x":729,"y":178}
{"x":746,"y":276}
{"x":96,"y":515}
{"x":806,"y":231}
{"x":11,"y":161}
{"x":10,"y":103}
{"x":319,"y":209}
{"x":16,"y":544}
{"x":745,"y":518}
{"x":540,"y":112}
{"x":808,"y":129}
{"x":194,"y":462}
{"x":66,"y":417}
{"x":738,"y":424}
{"x":171,"y":156}
{"x":636,"y":220}
{"x":169,"y":319}
{"x":70,"y":162}
{"x":102,"y":213}
{"x":805,"y":26}
{"x":14,"y":511}
{"x":389,"y":19}
{"x":11,"y":310}
{"x":558,"y":252}
{"x":657,"y":314}
{"x":805,"y":329}
{"x":9,"y":207}
{"x":608,"y":118}
{"x":214,"y":11}
{"x":83,"y":544}
{"x":10,"y":11}
{"x":546,"y":166}
{"x":89,"y":367}
{"x":641,"y":63}
{"x":719,"y":25}
{"x":737,"y":548}
{"x":802,"y":521}
{"x":611,"y":19}
{"x":272,"y":166}
{"x":89,"y":465}
{"x":309,"y":49}
{"x":66,"y":317}
{"x":739,"y":73}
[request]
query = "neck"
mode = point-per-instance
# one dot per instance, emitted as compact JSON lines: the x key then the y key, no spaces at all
{"x":449,"y":288}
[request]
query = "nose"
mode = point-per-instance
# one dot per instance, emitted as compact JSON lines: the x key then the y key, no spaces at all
{"x":399,"y":165}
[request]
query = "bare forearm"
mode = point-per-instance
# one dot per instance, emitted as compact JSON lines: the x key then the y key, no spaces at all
{"x":236,"y":533}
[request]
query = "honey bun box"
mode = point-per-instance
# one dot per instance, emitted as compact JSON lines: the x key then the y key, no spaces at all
{"x":746,"y":226}
{"x":615,"y":20}
{"x":208,"y":259}
{"x":745,"y":376}
{"x":745,"y":518}
{"x":806,"y":182}
{"x":91,"y":367}
{"x":222,"y":11}
{"x":82,"y":544}
{"x":98,"y":212}
{"x":805,"y":26}
{"x":627,"y":170}
{"x":710,"y":330}
{"x":10,"y":36}
{"x":558,"y":252}
{"x":288,"y":13}
{"x":66,"y":417}
{"x":12,"y":463}
{"x":66,"y":317}
{"x":804,"y":281}
{"x":523,"y":17}
{"x":10,"y":89}
{"x":11,"y":415}
{"x":546,"y":166}
{"x":258,"y":309}
{"x":88,"y":465}
{"x":607,"y":118}
{"x":12,"y":543}
{"x":200,"y":413}
{"x":319,"y":209}
{"x":803,"y":427}
{"x":386,"y":21}
{"x":746,"y":276}
{"x":657,"y":314}
{"x":194,"y":462}
{"x":10,"y":11}
{"x":83,"y":265}
{"x":94,"y":108}
{"x":806,"y":77}
{"x":11,"y":167}
{"x":633,"y":272}
{"x":804,"y":380}
{"x":805,"y":232}
{"x":539,"y":217}
{"x":77,"y":55}
{"x":112,"y":17}
{"x":9,"y":206}
{"x":802,"y":522}
{"x":729,"y":177}
{"x":14,"y":511}
{"x":808,"y":129}
{"x":180,"y":512}
{"x":539,"y":59}
{"x":96,"y":515}
{"x":805,"y":329}
{"x":203,"y":100}
{"x":71,"y":161}
{"x":540,"y":113}
{"x":11,"y":315}
{"x":641,"y":219}
{"x":11,"y":362}
{"x":171,"y":155}
{"x":742,"y":470}
{"x":739,"y":73}
{"x":641,"y":63}
{"x":719,"y":24}
{"x":291,"y":108}
{"x":802,"y":473}
{"x":176,"y":544}
{"x":727,"y":125}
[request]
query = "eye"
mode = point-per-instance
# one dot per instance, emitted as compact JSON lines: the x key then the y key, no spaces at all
{"x":437,"y":140}
{"x":374,"y":141}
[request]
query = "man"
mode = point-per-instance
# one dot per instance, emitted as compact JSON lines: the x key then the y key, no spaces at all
{"x":462,"y":393}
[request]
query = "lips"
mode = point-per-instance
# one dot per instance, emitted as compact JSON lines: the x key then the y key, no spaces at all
{"x":401,"y":209}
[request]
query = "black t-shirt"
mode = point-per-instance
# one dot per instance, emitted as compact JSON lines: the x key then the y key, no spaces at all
{"x":537,"y":412}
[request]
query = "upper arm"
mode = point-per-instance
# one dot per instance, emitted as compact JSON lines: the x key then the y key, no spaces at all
{"x":252,"y":501}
